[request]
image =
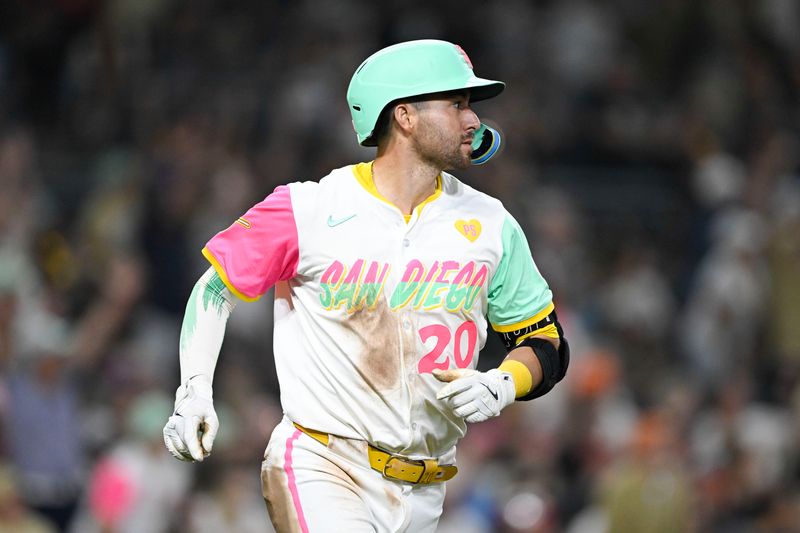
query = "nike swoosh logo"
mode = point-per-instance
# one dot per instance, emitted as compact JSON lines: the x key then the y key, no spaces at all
{"x":333,"y":223}
{"x":493,"y":393}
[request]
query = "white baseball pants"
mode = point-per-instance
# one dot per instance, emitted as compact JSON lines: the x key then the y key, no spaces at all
{"x":311,"y":488}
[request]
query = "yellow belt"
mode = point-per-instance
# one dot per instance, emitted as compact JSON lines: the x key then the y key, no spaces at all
{"x":392,"y":466}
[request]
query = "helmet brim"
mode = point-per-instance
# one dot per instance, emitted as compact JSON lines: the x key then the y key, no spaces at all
{"x":482,"y":89}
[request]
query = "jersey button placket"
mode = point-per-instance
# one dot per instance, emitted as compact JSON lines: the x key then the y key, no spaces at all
{"x":406,"y":321}
{"x":407,"y":324}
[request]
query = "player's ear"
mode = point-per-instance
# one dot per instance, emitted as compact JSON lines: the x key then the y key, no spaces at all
{"x":405,"y":116}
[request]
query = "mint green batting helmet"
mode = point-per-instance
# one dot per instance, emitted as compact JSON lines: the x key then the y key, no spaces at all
{"x":404,"y":70}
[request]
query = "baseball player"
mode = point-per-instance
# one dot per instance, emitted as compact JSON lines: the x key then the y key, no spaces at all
{"x":386,"y":274}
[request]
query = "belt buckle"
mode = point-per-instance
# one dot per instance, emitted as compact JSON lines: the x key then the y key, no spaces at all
{"x":430,"y":469}
{"x":430,"y":472}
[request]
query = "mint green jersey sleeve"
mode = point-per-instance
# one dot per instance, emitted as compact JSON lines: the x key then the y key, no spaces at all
{"x":517,"y":291}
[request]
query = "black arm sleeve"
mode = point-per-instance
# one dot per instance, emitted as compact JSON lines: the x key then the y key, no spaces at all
{"x":554,"y":362}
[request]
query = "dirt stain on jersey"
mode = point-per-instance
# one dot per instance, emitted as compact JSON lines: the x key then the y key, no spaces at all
{"x":378,"y":331}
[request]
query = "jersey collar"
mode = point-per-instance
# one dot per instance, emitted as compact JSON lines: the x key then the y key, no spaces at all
{"x":363,"y":174}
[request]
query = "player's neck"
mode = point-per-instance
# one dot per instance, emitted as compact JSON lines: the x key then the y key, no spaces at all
{"x":404,"y":181}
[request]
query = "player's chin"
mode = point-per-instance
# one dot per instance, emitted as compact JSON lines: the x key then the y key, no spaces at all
{"x":456,"y":159}
{"x":462,"y":160}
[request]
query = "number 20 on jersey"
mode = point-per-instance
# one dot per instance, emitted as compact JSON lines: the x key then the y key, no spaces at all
{"x":460,"y":343}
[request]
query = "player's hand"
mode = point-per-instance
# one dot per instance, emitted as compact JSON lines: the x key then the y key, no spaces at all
{"x":190,"y":431}
{"x":476,"y":396}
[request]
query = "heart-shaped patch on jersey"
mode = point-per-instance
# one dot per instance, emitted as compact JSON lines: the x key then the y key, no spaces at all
{"x":471,"y":229}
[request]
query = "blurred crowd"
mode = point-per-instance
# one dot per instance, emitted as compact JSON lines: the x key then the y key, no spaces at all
{"x":651,"y":154}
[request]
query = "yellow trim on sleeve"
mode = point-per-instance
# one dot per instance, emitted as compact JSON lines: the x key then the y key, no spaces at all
{"x":505,"y":328}
{"x":548,"y":331}
{"x":523,"y":380}
{"x":221,"y":271}
{"x":363,"y":174}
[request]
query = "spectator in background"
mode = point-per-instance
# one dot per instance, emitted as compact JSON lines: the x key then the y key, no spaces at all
{"x":46,"y":361}
{"x":44,"y":423}
{"x":725,"y":310}
{"x":231,"y":504}
{"x":15,"y":516}
{"x":648,"y":490}
{"x":784,"y":262}
{"x":134,"y":488}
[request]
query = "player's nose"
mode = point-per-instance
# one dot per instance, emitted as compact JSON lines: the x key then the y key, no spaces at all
{"x":471,"y":120}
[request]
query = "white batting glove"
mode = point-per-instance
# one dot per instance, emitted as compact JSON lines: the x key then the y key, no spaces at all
{"x":476,"y":396}
{"x":190,"y":431}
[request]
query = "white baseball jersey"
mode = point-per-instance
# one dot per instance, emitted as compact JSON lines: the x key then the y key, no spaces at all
{"x":368,"y":301}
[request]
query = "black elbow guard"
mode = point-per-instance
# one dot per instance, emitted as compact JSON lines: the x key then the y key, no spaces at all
{"x":554,"y":363}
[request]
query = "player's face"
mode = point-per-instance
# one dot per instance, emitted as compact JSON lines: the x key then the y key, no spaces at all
{"x":446,"y":127}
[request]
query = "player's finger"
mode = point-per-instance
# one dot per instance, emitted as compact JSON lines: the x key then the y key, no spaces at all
{"x":172,"y":433}
{"x":210,"y":431}
{"x":465,"y":390}
{"x":175,"y":445}
{"x":447,"y":375}
{"x":451,"y":389}
{"x":178,"y":451}
{"x":466,"y":410}
{"x":191,"y":439}
{"x":477,"y":416}
{"x":445,"y":392}
{"x":464,"y":398}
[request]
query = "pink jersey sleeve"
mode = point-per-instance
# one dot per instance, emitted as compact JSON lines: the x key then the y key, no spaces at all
{"x":259,"y":249}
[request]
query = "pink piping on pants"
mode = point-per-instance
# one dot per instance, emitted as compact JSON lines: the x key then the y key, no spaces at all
{"x":287,"y":458}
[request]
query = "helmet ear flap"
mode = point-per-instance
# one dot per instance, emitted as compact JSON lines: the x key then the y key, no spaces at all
{"x":485,"y":144}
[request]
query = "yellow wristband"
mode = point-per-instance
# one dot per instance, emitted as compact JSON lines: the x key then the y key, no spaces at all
{"x":523,"y":380}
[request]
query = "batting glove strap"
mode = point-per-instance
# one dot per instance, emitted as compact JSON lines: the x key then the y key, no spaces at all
{"x":478,"y":396}
{"x":190,"y":431}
